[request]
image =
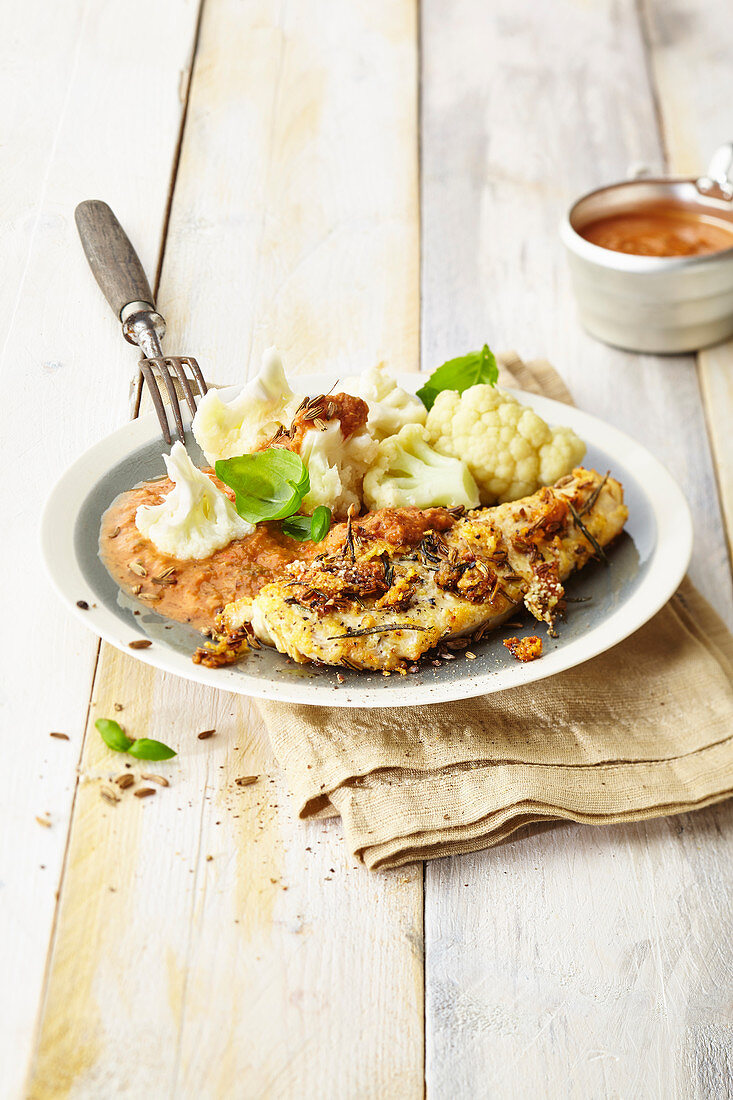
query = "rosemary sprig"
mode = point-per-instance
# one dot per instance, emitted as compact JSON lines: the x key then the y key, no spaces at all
{"x":349,"y":544}
{"x":375,"y":630}
{"x":594,"y":495}
{"x":594,"y":542}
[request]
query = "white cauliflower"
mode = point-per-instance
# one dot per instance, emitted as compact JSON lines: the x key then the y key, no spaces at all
{"x":196,"y":518}
{"x":336,"y":467}
{"x":408,"y":471}
{"x":390,"y":407}
{"x":227,"y":430}
{"x":509,"y":449}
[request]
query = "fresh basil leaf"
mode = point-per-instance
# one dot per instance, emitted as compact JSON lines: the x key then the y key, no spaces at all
{"x":458,"y":374}
{"x":297,"y":527}
{"x":113,"y":734}
{"x":313,"y":527}
{"x":145,"y":749}
{"x":268,"y":484}
{"x":320,"y":523}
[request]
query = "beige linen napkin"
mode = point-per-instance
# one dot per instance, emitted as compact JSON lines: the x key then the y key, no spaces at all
{"x":642,"y":731}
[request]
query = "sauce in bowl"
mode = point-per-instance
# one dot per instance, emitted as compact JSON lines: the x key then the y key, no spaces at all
{"x":662,"y":229}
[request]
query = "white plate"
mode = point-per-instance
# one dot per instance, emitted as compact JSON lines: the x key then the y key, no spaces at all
{"x":646,"y":565}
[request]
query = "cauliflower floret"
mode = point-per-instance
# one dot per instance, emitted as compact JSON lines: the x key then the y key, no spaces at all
{"x":390,"y":407}
{"x":227,"y":430}
{"x":408,"y":471}
{"x":509,"y":449}
{"x":196,"y":518}
{"x":336,"y":467}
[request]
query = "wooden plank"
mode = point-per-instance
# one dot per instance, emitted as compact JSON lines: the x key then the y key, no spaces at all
{"x":277,"y":967}
{"x":540,"y":110}
{"x":690,"y":49}
{"x":574,"y":962}
{"x":68,"y":82}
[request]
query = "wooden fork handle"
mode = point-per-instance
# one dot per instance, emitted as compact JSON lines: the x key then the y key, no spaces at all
{"x":113,"y":260}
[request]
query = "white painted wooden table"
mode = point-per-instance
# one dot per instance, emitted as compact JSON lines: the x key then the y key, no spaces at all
{"x":351,"y":181}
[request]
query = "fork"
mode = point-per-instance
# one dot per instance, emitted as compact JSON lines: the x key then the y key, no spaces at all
{"x":122,"y":280}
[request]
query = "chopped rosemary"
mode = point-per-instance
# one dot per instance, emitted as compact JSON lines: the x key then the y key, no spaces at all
{"x":375,"y":630}
{"x":349,"y":544}
{"x":594,"y":495}
{"x":593,"y":541}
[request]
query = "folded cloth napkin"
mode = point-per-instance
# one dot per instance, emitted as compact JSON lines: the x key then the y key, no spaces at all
{"x":644,"y":730}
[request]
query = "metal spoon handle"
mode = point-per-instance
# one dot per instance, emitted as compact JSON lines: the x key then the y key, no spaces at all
{"x":719,"y":175}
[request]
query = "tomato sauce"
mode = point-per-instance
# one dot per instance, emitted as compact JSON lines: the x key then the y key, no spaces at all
{"x":195,"y":591}
{"x":664,"y":229}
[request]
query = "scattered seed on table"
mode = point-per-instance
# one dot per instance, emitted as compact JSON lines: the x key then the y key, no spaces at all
{"x":82,"y":604}
{"x":246,"y":780}
{"x":108,"y":795}
{"x":118,"y":706}
{"x":125,"y":780}
{"x":140,"y":643}
{"x":206,"y":733}
{"x":44,"y":821}
{"x":159,"y":779}
{"x":143,"y":792}
{"x":60,"y":736}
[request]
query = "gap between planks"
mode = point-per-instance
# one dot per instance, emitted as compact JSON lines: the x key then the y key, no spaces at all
{"x":683,"y":156}
{"x":137,"y":377}
{"x":398,"y":898}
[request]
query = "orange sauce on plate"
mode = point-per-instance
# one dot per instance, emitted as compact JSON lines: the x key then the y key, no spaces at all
{"x":195,"y":591}
{"x":664,"y":229}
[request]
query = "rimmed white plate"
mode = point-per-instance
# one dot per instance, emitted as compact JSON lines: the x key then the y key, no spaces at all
{"x":646,"y":565}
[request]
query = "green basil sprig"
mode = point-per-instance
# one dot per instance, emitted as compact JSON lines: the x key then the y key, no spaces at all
{"x":313,"y":527}
{"x":458,"y":374}
{"x":143,"y":748}
{"x":268,"y":484}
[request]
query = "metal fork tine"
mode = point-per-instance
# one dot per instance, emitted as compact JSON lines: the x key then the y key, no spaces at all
{"x":152,"y":384}
{"x":162,"y":366}
{"x":177,"y":365}
{"x":196,"y":369}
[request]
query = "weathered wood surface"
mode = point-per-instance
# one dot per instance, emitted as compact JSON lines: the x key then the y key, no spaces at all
{"x":68,"y":82}
{"x":576,"y":962}
{"x":691,"y":50}
{"x":277,"y":966}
